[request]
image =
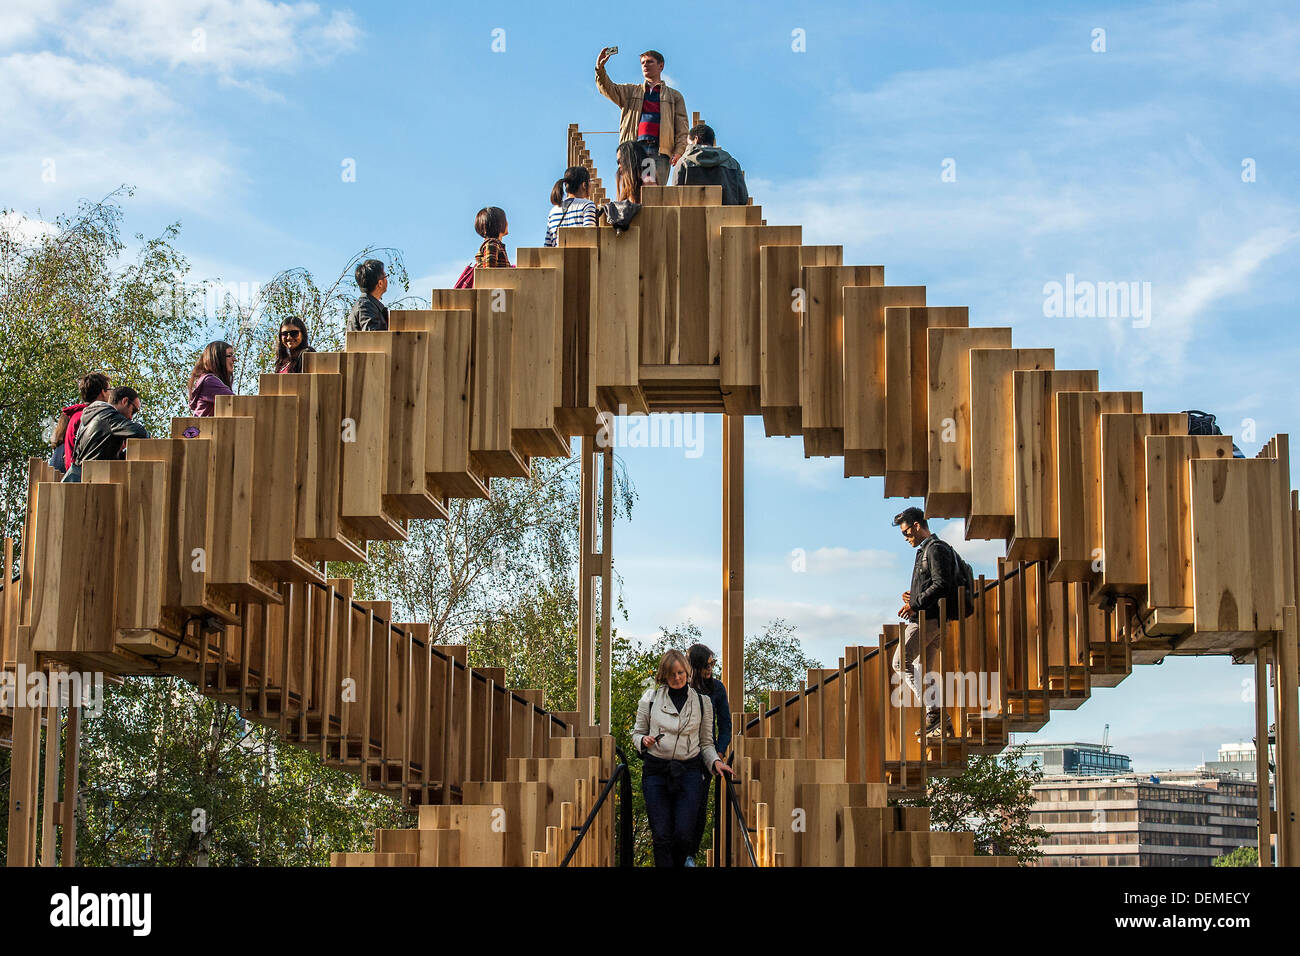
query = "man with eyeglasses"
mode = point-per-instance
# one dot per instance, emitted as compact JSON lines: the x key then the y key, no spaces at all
{"x":368,"y":313}
{"x":105,"y":428}
{"x":934,"y":576}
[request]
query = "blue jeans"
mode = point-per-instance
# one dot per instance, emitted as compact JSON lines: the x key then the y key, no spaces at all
{"x":672,"y":801}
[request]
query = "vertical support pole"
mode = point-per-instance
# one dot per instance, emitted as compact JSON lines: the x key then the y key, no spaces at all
{"x":71,"y":785}
{"x":1263,"y":804}
{"x":733,"y":556}
{"x":24,"y":761}
{"x":606,"y":589}
{"x":24,"y":756}
{"x":586,"y":683}
{"x":49,"y":817}
{"x":448,"y":721}
{"x":1288,"y":741}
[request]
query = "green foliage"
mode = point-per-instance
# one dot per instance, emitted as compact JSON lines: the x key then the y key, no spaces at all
{"x":994,"y":798}
{"x":1241,"y":856}
{"x":774,"y":660}
{"x":72,"y":301}
{"x":68,"y":307}
{"x":161,"y":763}
{"x":253,"y":326}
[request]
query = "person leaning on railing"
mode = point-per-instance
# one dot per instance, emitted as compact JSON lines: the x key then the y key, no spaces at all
{"x":673,"y":732}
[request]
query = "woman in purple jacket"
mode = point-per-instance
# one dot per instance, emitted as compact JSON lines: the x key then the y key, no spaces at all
{"x":212,"y":376}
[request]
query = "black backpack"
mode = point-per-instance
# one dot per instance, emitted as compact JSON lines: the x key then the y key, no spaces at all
{"x":1203,"y":423}
{"x":965,"y":579}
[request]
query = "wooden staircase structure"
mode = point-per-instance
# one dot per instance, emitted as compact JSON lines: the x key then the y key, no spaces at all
{"x":1127,"y":541}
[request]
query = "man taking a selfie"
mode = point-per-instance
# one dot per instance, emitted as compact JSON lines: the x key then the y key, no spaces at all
{"x":653,"y":113}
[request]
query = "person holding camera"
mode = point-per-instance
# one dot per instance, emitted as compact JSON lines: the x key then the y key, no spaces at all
{"x":653,"y":113}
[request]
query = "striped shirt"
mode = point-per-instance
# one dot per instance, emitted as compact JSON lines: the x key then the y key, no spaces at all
{"x":647,"y":130}
{"x":574,"y":212}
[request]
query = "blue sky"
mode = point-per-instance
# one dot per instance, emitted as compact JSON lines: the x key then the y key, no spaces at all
{"x":1122,"y":165}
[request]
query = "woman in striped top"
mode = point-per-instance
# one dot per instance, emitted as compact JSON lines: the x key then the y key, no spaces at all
{"x":577,"y":210}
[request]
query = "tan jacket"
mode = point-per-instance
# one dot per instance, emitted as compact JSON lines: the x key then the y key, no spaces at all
{"x":673,"y":124}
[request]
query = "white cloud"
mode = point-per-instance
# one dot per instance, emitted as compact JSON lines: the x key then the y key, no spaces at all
{"x":32,"y":85}
{"x":75,"y":130}
{"x":24,"y":229}
{"x":228,"y":36}
{"x":24,"y":19}
{"x":830,"y":560}
{"x":783,"y":457}
{"x":1207,"y":282}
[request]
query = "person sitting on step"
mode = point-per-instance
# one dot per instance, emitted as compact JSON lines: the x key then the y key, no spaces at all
{"x":673,"y":732}
{"x":368,"y":313}
{"x":934,"y":576}
{"x":703,"y":164}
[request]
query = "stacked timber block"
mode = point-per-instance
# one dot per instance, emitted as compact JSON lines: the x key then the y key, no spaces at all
{"x":804,"y":813}
{"x":530,"y":818}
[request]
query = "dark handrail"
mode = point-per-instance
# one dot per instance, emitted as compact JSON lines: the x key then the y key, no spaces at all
{"x":353,"y":605}
{"x":623,"y":776}
{"x":734,"y":802}
{"x":869,"y":652}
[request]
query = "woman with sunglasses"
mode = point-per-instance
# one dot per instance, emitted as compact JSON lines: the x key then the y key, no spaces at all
{"x":703,"y":661}
{"x":673,"y":732}
{"x":292,"y":345}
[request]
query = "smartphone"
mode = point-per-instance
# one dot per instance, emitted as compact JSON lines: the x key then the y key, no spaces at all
{"x":612,"y":50}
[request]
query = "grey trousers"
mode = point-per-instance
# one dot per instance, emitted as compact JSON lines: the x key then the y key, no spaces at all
{"x":914,"y":675}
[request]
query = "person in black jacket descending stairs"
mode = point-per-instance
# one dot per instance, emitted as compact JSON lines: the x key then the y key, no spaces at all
{"x":934,"y":576}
